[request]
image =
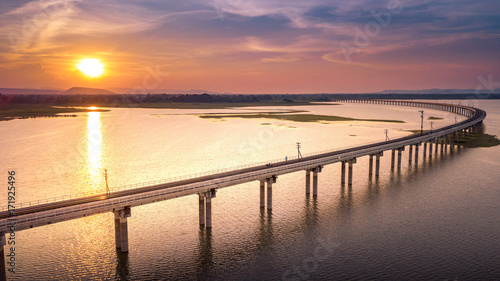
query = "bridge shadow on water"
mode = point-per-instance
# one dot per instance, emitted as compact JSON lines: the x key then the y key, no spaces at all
{"x":205,"y":253}
{"x":122,"y":266}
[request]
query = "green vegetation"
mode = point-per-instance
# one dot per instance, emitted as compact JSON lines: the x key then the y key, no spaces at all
{"x":479,"y":140}
{"x":474,"y":140}
{"x":292,"y":117}
{"x":25,"y":111}
{"x":417,"y":131}
{"x":434,"y":118}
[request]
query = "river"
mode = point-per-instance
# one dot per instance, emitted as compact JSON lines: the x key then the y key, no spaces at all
{"x":437,"y":220}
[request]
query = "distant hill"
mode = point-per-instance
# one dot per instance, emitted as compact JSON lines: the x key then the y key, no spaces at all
{"x":87,"y":91}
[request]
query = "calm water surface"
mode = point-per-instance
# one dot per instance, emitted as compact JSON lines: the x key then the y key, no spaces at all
{"x":435,"y":221}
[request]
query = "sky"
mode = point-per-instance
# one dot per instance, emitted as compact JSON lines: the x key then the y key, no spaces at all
{"x":251,"y":46}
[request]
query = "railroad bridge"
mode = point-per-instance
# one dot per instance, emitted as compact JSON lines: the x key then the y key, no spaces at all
{"x":205,"y":185}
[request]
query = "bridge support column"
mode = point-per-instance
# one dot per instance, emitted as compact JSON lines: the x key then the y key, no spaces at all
{"x":349,"y":179}
{"x":262,"y":193}
{"x":436,"y":142}
{"x":458,"y":135}
{"x":118,"y":242}
{"x":410,"y":153}
{"x":3,"y":272}
{"x":208,"y":205}
{"x":393,"y":156}
{"x":377,"y":163}
{"x":308,"y":181}
{"x":269,"y":194}
{"x":315,"y":181}
{"x":201,"y":207}
{"x":399,"y":157}
{"x":443,"y":143}
{"x":424,"y":151}
{"x":342,"y":173}
{"x":430,"y":149}
{"x":370,"y":165}
{"x":416,"y":153}
{"x":122,"y":228}
{"x":205,"y":207}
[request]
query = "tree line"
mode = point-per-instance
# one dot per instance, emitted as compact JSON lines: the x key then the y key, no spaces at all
{"x":124,"y":99}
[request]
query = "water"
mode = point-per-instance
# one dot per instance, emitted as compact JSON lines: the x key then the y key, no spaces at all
{"x":435,"y":221}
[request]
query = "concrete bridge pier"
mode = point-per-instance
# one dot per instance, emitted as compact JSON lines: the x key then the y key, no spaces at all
{"x":342,"y":173}
{"x":121,"y":228}
{"x":308,"y":181}
{"x":410,"y":153}
{"x":424,"y":151}
{"x":315,"y":180}
{"x":208,"y":206}
{"x":270,"y":192}
{"x":262,"y":193}
{"x":416,"y":152}
{"x":349,"y":178}
{"x":436,"y":142}
{"x":205,"y":205}
{"x":201,"y":206}
{"x":118,"y":242}
{"x":399,"y":157}
{"x":443,"y":143}
{"x":393,"y":156}
{"x":377,"y":163}
{"x":430,"y":149}
{"x":370,"y":165}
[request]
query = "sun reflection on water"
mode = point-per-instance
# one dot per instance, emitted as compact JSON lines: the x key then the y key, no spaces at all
{"x":94,"y":152}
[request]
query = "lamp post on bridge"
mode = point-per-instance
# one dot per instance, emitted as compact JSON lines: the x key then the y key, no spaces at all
{"x":422,"y":122}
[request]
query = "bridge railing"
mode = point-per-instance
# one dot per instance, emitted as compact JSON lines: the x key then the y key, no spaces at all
{"x":175,"y":179}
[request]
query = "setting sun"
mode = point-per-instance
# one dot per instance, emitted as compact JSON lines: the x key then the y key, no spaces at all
{"x":93,"y":108}
{"x":91,"y":67}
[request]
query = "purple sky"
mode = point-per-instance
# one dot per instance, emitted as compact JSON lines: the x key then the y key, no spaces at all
{"x":251,"y":46}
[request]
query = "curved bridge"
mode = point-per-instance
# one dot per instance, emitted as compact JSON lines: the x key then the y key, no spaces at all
{"x":120,"y":202}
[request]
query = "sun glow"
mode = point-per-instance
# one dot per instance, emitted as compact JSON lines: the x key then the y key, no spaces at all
{"x":91,"y":67}
{"x":92,"y":108}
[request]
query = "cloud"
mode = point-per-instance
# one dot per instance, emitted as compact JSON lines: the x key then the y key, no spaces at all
{"x":216,"y":36}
